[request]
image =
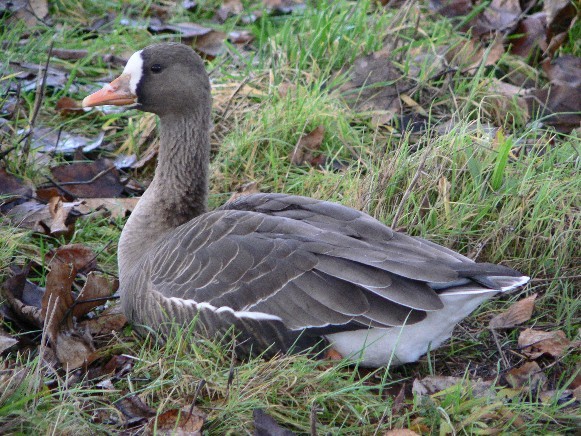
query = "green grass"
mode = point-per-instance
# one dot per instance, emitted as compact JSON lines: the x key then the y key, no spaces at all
{"x":508,"y":195}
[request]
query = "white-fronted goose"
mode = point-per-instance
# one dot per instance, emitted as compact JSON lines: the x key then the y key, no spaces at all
{"x":285,"y":271}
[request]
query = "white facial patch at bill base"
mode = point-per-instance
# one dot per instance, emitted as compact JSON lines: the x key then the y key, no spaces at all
{"x":134,"y":68}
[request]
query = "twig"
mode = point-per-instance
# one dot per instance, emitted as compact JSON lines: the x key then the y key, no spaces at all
{"x":201,"y":384}
{"x":505,"y":361}
{"x":37,"y":104}
{"x":409,"y":189}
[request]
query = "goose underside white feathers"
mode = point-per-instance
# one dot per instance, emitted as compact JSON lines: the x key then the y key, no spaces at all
{"x":285,"y":271}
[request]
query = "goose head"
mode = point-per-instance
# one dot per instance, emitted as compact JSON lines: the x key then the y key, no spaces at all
{"x":165,"y":79}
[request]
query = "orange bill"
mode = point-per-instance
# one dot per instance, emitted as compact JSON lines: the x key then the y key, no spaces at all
{"x":117,"y":93}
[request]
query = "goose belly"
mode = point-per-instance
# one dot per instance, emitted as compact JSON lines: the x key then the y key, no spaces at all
{"x":398,"y":345}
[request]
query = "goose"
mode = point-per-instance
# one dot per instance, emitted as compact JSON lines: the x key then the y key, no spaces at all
{"x":286,"y":273}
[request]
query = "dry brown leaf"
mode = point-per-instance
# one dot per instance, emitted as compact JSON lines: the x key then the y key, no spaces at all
{"x":96,"y":179}
{"x":210,"y":45}
{"x":134,"y":409}
{"x":13,"y":190}
{"x":373,"y":87}
{"x":532,"y":32}
{"x":115,"y":207}
{"x":67,"y":106}
{"x":530,"y":374}
{"x":97,"y":286}
{"x":59,"y":215}
{"x":401,"y":432}
{"x":79,"y":255}
{"x":38,"y":217}
{"x":535,"y":343}
{"x":516,"y":314}
{"x":229,"y":8}
{"x":6,"y":341}
{"x":470,"y":55}
{"x":73,"y":349}
{"x":111,"y":319}
{"x":22,"y":297}
{"x":176,"y":421}
{"x":58,"y":299}
{"x":283,"y":6}
{"x":69,"y":54}
{"x":309,"y":143}
{"x":240,"y":37}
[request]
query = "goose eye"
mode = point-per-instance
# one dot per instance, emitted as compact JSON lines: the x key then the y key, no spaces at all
{"x":156,"y":68}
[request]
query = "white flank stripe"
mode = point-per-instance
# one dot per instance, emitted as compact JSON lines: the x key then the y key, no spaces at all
{"x":258,"y":316}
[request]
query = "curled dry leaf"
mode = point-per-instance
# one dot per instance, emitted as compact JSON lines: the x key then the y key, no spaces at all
{"x":535,"y":343}
{"x":80,"y":256}
{"x":22,"y":298}
{"x":134,"y":409}
{"x":69,"y":54}
{"x":307,"y":145}
{"x":67,"y":106}
{"x":530,"y":374}
{"x":41,"y":218}
{"x":518,"y":313}
{"x":58,"y":299}
{"x":176,"y":421}
{"x":97,"y":286}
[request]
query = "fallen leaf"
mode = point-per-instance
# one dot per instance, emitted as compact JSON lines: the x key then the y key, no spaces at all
{"x":210,"y":45}
{"x":175,"y":421}
{"x":67,"y":106}
{"x":530,"y":35}
{"x":282,"y":7}
{"x":111,"y":319}
{"x":134,"y":409}
{"x":535,"y":343}
{"x":240,"y":37}
{"x":31,"y":12}
{"x":564,"y":71}
{"x":561,"y":15}
{"x":401,"y":432}
{"x":373,"y":87}
{"x":309,"y":143}
{"x":73,"y":349}
{"x":39,"y":218}
{"x":229,"y":8}
{"x":265,"y":425}
{"x":58,"y":299}
{"x":499,"y":16}
{"x":6,"y":341}
{"x":97,"y":179}
{"x":14,"y":191}
{"x":22,"y":298}
{"x":185,"y":30}
{"x":451,"y":8}
{"x":516,"y":314}
{"x":80,"y":256}
{"x":47,"y":140}
{"x":530,"y":374}
{"x":28,"y":73}
{"x":59,"y":215}
{"x":472,"y":54}
{"x":97,"y":287}
{"x":116,"y":207}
